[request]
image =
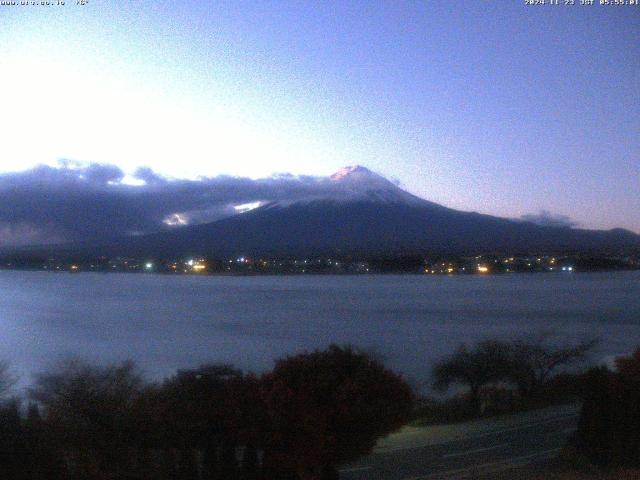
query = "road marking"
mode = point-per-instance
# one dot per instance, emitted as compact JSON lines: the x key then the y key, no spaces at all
{"x":354,"y":469}
{"x":490,"y":466}
{"x":477,"y":450}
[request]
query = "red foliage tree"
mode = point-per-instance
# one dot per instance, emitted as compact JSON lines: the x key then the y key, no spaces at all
{"x":327,"y":408}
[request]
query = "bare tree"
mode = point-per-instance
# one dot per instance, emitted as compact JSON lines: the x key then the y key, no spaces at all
{"x":475,"y":368}
{"x":527,"y":364}
{"x":91,"y":409}
{"x":533,"y":363}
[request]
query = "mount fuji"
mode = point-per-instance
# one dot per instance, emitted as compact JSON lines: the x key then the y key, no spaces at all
{"x":364,"y":213}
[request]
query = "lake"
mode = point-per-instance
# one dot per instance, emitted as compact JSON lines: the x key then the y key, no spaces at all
{"x":165,"y":322}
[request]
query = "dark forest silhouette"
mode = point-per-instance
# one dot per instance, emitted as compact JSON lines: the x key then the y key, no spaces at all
{"x":312,"y":413}
{"x":301,"y":421}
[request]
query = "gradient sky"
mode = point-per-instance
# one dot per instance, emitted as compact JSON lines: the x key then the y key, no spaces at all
{"x":490,"y":106}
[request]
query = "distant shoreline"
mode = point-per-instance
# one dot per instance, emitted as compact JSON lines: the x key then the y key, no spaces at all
{"x":318,"y":274}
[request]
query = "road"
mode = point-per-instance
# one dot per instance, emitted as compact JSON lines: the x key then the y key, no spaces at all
{"x":465,"y":450}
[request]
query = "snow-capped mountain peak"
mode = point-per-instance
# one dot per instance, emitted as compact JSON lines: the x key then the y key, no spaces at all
{"x":351,"y":172}
{"x":361,"y":178}
{"x":359,"y":183}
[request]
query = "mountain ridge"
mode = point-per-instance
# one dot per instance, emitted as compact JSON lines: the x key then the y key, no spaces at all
{"x":365,"y":214}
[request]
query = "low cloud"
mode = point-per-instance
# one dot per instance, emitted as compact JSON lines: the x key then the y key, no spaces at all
{"x":93,"y":202}
{"x":547,"y":219}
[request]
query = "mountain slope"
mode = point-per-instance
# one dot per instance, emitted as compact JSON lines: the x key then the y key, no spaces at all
{"x":367,"y":214}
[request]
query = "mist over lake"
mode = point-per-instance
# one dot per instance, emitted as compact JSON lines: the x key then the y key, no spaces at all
{"x":166,"y":322}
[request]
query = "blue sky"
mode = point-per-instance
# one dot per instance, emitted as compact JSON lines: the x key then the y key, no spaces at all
{"x":490,"y":106}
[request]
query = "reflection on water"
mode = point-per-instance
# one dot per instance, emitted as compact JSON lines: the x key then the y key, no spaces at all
{"x":169,"y":322}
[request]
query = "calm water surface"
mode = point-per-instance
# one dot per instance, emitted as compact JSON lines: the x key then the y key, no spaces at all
{"x":167,"y":322}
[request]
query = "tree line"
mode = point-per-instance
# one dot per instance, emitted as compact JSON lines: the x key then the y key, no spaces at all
{"x":301,"y":421}
{"x":312,"y":413}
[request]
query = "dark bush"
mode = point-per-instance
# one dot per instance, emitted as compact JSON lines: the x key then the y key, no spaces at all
{"x":609,"y":428}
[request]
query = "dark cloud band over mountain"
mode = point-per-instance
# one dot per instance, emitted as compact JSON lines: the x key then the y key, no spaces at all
{"x":92,"y":202}
{"x":548,"y":219}
{"x":95,"y":202}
